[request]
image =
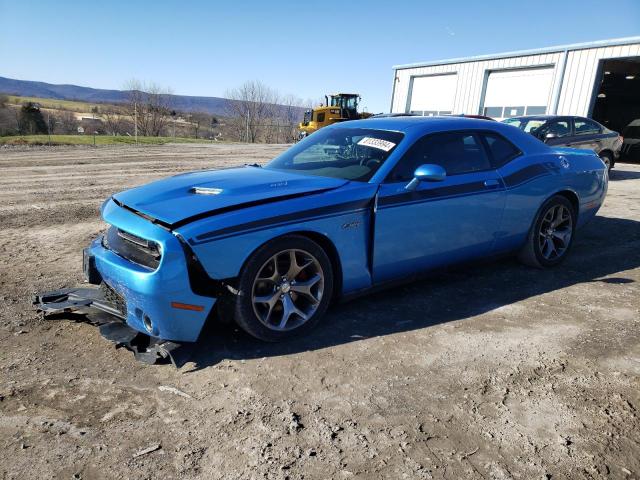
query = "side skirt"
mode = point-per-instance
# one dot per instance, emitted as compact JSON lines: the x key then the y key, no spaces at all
{"x":389,"y":284}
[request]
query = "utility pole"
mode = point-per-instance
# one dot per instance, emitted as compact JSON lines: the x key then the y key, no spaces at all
{"x":135,"y":120}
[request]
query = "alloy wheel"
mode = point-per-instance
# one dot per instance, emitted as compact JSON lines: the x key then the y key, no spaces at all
{"x":556,"y":230}
{"x":287,"y":290}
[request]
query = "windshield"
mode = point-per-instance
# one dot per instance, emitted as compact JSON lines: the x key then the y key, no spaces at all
{"x":344,"y":102}
{"x":347,"y":153}
{"x":525,"y":124}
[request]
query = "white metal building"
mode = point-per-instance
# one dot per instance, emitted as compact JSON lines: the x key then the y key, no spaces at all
{"x":597,"y":79}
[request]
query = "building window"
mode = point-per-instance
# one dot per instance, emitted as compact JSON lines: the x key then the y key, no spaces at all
{"x":430,"y":113}
{"x":513,"y":112}
{"x":493,"y":112}
{"x":536,"y":110}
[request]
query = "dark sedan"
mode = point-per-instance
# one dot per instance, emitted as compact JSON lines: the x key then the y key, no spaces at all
{"x":575,"y":132}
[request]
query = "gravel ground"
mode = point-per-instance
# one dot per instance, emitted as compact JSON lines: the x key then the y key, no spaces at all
{"x":492,"y":371}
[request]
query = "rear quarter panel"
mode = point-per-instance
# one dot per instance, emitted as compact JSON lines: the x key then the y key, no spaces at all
{"x":532,"y":179}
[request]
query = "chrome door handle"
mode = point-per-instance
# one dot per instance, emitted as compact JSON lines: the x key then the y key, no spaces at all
{"x":491,"y":183}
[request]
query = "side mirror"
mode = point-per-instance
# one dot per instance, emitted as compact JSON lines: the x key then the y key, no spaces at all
{"x":550,"y":136}
{"x":426,"y":173}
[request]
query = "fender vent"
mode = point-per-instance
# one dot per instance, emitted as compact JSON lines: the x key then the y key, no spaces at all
{"x":133,"y":248}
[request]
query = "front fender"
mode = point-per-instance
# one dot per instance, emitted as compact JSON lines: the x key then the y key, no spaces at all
{"x":223,"y":243}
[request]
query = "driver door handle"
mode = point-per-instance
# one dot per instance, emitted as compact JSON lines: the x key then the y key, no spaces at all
{"x":491,"y":183}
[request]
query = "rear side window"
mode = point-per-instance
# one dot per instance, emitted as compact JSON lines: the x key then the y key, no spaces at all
{"x":456,"y":152}
{"x":586,"y":127}
{"x":502,"y":150}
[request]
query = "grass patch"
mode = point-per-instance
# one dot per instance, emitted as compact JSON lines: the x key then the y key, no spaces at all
{"x":55,"y":104}
{"x":88,"y":140}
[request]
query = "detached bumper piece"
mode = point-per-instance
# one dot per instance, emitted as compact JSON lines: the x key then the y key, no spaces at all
{"x":95,"y":307}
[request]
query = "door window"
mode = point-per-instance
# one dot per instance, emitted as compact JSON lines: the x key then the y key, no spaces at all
{"x":456,"y":152}
{"x":559,"y":128}
{"x":586,"y":127}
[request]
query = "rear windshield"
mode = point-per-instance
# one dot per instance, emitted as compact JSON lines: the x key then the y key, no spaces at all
{"x":346,"y":153}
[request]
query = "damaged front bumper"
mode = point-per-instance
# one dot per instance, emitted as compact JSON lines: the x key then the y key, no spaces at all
{"x":148,"y":309}
{"x":95,"y":307}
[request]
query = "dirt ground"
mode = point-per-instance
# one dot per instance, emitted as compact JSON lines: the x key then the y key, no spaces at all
{"x":492,"y":371}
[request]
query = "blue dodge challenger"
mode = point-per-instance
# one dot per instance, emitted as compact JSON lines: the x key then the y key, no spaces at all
{"x":356,"y":205}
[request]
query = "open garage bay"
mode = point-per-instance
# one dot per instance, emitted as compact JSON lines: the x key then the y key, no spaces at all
{"x":490,"y":371}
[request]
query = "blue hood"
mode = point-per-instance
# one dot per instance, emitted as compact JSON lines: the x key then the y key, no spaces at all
{"x":175,"y":199}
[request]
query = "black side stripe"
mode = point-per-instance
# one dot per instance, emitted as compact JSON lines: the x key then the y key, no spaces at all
{"x":515,"y":179}
{"x":525,"y":174}
{"x":290,"y":217}
{"x":449,"y":191}
{"x":240,"y":206}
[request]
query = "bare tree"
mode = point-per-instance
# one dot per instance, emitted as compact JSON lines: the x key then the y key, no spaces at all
{"x":149,"y":105}
{"x":291,"y":111}
{"x":250,"y":105}
{"x":113,"y":121}
{"x":67,"y":122}
{"x":8,"y":121}
{"x":202,"y":124}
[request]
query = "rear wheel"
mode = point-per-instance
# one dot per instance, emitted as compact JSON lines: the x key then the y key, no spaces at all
{"x":551,"y":235}
{"x":285,"y":289}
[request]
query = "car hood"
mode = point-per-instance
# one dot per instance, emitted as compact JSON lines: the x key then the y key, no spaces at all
{"x":182,"y":198}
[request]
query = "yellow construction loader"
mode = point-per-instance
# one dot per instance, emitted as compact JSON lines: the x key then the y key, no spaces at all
{"x":338,"y":107}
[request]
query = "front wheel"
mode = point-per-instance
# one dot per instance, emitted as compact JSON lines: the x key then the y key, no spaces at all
{"x":284,"y":289}
{"x":551,"y":235}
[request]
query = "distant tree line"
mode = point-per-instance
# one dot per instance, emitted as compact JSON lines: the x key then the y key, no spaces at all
{"x":255,"y":113}
{"x":259,"y":113}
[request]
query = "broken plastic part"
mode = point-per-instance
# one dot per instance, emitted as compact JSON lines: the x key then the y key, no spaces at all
{"x":93,"y":308}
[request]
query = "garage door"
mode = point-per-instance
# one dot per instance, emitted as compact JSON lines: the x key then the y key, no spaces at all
{"x":433,"y":94}
{"x":511,"y":93}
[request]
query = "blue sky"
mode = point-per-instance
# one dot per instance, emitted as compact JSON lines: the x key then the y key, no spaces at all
{"x":303,"y":48}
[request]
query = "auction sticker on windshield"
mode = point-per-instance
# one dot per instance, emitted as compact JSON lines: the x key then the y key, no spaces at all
{"x":377,"y":143}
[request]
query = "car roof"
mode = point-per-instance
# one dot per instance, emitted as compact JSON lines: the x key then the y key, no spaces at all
{"x":536,"y":117}
{"x":409,"y":122}
{"x":546,"y":117}
{"x":419,"y":126}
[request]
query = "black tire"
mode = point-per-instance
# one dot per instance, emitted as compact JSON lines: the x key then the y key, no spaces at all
{"x":242,"y":305}
{"x":532,"y":252}
{"x":607,"y":158}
